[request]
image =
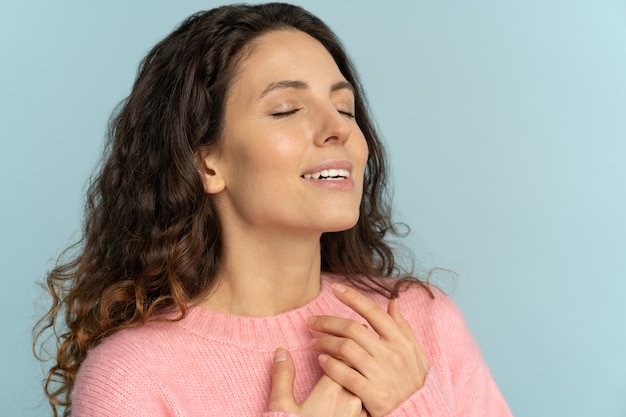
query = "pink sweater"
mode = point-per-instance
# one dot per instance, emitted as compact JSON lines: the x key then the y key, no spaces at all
{"x":212,"y":364}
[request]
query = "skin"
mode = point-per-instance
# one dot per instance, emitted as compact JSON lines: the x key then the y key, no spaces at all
{"x":383,"y":367}
{"x":266,"y":209}
{"x":289,"y":110}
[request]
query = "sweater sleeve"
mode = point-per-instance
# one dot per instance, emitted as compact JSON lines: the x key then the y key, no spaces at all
{"x":108,"y":385}
{"x":458,"y":383}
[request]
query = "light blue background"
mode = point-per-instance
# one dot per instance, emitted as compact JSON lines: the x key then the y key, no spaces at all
{"x":506,"y":124}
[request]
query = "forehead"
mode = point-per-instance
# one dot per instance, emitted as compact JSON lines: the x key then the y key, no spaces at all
{"x":286,"y":54}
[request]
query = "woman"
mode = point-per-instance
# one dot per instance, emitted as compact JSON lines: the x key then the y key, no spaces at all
{"x":234,"y":259}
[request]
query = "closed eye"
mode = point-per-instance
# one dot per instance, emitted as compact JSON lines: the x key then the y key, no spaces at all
{"x":346,"y":113}
{"x":280,"y":115}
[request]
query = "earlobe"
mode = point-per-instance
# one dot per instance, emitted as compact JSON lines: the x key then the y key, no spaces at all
{"x":209,"y":171}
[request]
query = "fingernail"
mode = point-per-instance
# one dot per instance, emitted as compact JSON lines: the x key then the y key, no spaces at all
{"x":397,"y":302}
{"x":322,"y":358}
{"x":340,"y":289}
{"x":280,"y":355}
{"x":311,"y":320}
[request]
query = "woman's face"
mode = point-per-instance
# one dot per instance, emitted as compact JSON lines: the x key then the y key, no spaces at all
{"x":292,"y":156}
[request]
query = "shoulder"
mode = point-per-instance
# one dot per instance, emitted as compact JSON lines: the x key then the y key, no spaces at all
{"x":440,"y":327}
{"x":430,"y":303}
{"x":433,"y":315}
{"x":141,"y":342}
{"x":126,"y":353}
{"x":116,"y":373}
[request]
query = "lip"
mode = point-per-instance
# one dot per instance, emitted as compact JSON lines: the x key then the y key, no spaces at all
{"x":337,"y":185}
{"x":331,"y":164}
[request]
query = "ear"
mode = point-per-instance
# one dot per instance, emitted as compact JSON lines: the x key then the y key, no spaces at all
{"x":207,"y":162}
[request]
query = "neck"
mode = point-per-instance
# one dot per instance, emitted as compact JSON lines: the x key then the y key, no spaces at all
{"x":266,"y":276}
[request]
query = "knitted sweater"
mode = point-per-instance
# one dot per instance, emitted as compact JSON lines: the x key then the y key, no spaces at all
{"x":214,"y":364}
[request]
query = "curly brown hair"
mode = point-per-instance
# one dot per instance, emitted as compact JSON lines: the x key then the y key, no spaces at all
{"x":151,"y":237}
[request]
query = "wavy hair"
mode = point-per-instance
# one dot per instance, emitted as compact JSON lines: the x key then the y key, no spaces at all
{"x":151,"y":235}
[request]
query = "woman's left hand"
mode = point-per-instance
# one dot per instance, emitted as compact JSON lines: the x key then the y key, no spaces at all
{"x":384,"y":368}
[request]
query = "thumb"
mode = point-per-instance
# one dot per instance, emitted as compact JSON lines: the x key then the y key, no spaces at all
{"x":283,"y":375}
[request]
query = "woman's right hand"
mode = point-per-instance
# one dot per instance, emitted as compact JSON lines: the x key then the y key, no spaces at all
{"x":326,"y":399}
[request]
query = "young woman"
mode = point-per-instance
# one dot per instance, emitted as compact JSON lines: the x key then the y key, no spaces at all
{"x":234,"y":260}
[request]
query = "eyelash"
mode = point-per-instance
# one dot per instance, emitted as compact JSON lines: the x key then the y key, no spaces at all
{"x":347,"y":114}
{"x":280,"y":115}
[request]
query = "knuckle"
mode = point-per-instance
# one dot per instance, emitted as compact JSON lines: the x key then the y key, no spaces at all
{"x":345,"y":347}
{"x":404,"y":345}
{"x":320,"y":322}
{"x":352,"y":327}
{"x":349,"y":379}
{"x":278,"y":404}
{"x":355,"y":403}
{"x":336,"y":390}
{"x":397,"y":359}
{"x":384,"y":397}
{"x":352,"y":379}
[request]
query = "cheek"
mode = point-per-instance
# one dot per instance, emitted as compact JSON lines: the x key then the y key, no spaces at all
{"x":283,"y":147}
{"x":279,"y":154}
{"x":263,"y":157}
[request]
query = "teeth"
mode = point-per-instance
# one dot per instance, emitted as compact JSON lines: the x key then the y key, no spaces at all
{"x":329,"y":174}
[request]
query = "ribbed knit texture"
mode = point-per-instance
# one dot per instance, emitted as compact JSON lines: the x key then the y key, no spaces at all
{"x":214,"y":364}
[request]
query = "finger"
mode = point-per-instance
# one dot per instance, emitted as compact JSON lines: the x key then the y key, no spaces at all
{"x":393,"y":309}
{"x":344,"y":375}
{"x":375,"y":315}
{"x":329,"y":398}
{"x":347,"y":329}
{"x":283,"y":375}
{"x":347,"y":350}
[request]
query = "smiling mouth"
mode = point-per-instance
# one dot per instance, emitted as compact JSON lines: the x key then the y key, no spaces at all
{"x":328,"y":174}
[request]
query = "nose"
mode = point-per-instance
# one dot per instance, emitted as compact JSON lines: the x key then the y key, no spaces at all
{"x":333,"y":126}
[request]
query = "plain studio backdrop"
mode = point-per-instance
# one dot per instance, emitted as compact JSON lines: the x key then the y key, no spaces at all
{"x":506,"y":127}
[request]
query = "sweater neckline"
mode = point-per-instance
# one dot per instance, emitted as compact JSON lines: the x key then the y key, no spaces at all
{"x":286,"y":329}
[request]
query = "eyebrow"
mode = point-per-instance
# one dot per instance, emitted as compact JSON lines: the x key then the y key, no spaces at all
{"x":301,"y":85}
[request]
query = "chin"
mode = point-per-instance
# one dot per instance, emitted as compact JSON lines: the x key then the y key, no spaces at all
{"x":341,"y":225}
